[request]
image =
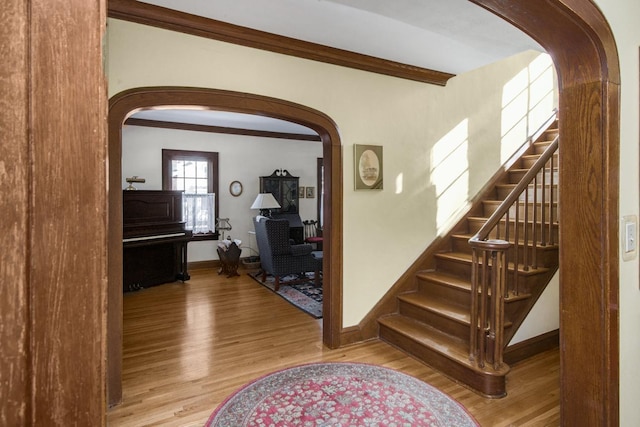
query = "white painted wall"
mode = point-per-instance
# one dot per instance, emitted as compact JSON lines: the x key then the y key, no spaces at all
{"x":417,"y":124}
{"x":240,"y":158}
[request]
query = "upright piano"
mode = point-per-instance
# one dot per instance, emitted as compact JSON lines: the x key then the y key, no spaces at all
{"x":154,"y":239}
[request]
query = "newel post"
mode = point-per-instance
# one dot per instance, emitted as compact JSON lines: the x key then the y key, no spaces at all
{"x":488,"y":277}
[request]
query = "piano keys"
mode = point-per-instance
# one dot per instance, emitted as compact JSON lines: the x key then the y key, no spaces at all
{"x":154,"y":239}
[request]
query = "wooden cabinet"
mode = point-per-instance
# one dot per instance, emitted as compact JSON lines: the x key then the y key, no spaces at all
{"x":284,"y":188}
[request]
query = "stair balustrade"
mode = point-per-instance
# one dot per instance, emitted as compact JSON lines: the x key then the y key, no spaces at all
{"x":506,"y":245}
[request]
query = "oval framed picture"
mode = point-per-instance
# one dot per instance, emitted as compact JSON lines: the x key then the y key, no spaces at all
{"x":235,"y":188}
{"x":368,"y":167}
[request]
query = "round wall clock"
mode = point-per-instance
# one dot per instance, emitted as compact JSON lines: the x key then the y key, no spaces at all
{"x":235,"y":188}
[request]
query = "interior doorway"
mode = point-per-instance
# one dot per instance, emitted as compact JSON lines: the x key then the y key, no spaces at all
{"x":123,"y":105}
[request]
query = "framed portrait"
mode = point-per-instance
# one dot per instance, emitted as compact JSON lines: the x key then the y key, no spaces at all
{"x":367,"y":167}
{"x":310,"y":192}
{"x":300,"y":192}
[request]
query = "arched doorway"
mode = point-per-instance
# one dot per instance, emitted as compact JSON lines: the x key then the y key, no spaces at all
{"x":128,"y":102}
{"x":578,"y":38}
{"x":580,"y":42}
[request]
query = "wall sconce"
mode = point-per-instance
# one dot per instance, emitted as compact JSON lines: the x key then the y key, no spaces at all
{"x":134,"y":179}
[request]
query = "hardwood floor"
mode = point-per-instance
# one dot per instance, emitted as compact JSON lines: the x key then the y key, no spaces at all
{"x":188,"y":346}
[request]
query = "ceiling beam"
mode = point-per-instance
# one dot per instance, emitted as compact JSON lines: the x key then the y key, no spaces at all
{"x":156,"y":16}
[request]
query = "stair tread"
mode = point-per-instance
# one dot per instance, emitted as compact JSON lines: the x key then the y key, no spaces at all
{"x":442,"y":343}
{"x":511,"y":220}
{"x":531,"y":156}
{"x":440,"y":306}
{"x":550,"y":246}
{"x":514,"y":184}
{"x":467,"y":258}
{"x":426,"y":335}
{"x":498,"y":202}
{"x":459,"y":282}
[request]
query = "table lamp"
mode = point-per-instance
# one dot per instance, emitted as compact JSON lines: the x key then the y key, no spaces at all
{"x":265,"y":202}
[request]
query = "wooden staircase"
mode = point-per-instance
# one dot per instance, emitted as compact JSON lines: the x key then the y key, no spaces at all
{"x":505,"y":246}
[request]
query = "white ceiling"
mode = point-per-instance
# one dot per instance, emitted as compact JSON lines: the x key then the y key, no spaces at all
{"x":224,"y":119}
{"x":452,"y":36}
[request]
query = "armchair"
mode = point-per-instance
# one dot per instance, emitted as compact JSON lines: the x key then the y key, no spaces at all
{"x":278,"y":256}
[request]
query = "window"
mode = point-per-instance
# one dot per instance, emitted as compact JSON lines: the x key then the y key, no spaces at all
{"x":195,"y":173}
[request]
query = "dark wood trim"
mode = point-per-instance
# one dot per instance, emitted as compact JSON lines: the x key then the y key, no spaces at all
{"x":207,"y":264}
{"x":219,"y":129}
{"x":201,"y":265}
{"x":532,"y":346}
{"x":15,"y":237}
{"x":576,"y":32}
{"x":210,"y":157}
{"x":147,"y":14}
{"x":319,"y":184}
{"x":212,"y":182}
{"x":121,"y":105}
{"x":200,"y":237}
{"x":54,"y":213}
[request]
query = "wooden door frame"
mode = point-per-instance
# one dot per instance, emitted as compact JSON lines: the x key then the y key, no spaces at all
{"x":576,"y":32}
{"x":126,"y":103}
{"x":53,"y":199}
{"x":57,"y":280}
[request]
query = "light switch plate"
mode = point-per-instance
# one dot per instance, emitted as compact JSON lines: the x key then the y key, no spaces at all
{"x":629,"y":237}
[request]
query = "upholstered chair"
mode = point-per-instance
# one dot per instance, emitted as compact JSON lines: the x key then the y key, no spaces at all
{"x":278,"y":255}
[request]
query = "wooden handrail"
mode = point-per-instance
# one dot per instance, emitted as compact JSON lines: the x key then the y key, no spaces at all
{"x":524,"y":183}
{"x":491,"y":257}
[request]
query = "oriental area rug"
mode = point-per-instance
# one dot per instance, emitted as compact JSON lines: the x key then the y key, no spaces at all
{"x":339,"y":394}
{"x":303,"y":295}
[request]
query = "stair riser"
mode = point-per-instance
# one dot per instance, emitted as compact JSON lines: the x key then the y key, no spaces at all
{"x":503,"y":192}
{"x":540,"y":147}
{"x":489,"y":385}
{"x":439,"y":290}
{"x":436,"y":320}
{"x":459,"y":269}
{"x":491,"y":206}
{"x":516,"y":175}
{"x":463,"y":269}
{"x":545,"y":256}
{"x":476,"y":225}
{"x":527,"y":162}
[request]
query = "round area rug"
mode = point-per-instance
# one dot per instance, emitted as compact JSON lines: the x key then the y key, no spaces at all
{"x":339,"y":394}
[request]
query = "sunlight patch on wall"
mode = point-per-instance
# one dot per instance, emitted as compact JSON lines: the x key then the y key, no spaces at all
{"x":526,"y":98}
{"x":399,"y":182}
{"x":450,"y":175}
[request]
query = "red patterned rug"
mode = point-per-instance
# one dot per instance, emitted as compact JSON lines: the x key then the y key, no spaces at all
{"x":305,"y":295}
{"x":339,"y":394}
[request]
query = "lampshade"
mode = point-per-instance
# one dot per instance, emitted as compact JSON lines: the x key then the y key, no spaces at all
{"x":265,"y":201}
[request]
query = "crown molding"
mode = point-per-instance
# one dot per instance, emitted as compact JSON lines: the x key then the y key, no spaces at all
{"x":219,"y":129}
{"x":156,"y":16}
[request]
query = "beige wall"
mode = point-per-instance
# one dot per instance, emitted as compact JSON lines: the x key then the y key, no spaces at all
{"x":242,"y":158}
{"x":428,"y":134}
{"x":622,"y":16}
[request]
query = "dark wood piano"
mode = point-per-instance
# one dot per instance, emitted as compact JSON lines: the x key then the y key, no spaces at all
{"x":154,"y":239}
